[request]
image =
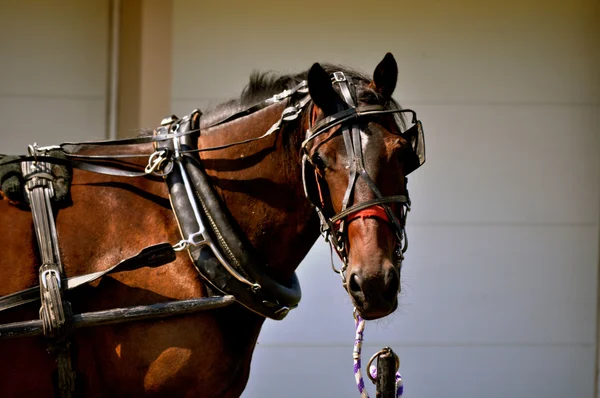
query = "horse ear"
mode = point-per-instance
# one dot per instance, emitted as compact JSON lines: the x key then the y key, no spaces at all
{"x":321,"y":90}
{"x":385,"y":76}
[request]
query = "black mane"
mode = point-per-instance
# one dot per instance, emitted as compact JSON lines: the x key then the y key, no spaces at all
{"x":263,"y":85}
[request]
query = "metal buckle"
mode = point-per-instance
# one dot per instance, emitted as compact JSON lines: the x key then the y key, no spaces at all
{"x":48,"y":272}
{"x":338,"y":77}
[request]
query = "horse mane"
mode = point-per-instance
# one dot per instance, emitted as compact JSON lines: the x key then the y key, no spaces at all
{"x":263,"y":85}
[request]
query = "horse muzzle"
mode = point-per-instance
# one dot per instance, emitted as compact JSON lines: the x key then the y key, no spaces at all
{"x":375,"y":295}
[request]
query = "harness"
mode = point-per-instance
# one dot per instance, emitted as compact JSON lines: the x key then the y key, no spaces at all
{"x":219,"y":254}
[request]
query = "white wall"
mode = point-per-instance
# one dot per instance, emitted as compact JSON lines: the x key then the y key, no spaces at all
{"x":53,"y":71}
{"x":500,"y":282}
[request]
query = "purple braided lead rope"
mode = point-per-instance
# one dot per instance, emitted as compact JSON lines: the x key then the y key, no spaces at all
{"x":360,"y":383}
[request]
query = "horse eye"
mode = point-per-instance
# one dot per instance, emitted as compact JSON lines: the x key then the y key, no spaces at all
{"x":318,"y":161}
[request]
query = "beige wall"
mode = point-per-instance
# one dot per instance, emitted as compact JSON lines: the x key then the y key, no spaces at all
{"x":500,"y":282}
{"x":53,"y":71}
{"x":144,"y":64}
{"x":449,"y":52}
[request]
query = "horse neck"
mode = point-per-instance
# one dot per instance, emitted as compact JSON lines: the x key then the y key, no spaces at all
{"x":261,"y":185}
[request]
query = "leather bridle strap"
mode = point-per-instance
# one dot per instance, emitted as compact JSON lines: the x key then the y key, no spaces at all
{"x":369,"y":203}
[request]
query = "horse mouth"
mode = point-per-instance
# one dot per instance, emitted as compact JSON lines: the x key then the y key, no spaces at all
{"x":370,"y":310}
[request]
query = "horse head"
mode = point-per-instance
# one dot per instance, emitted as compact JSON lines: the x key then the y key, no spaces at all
{"x":356,"y":158}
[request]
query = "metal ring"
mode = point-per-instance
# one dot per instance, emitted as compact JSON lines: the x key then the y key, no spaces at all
{"x":167,"y":170}
{"x":376,"y":355}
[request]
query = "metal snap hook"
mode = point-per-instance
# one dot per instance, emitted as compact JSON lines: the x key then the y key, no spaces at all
{"x":157,"y":162}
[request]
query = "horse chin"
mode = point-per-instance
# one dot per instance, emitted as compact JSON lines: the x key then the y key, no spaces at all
{"x":372,"y":311}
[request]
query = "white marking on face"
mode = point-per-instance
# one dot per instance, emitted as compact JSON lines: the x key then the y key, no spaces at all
{"x":364,"y":141}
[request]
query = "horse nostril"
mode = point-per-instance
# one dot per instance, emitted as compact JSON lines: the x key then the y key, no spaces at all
{"x":354,"y":284}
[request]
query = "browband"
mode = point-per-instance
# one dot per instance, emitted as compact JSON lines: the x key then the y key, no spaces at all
{"x":349,"y":114}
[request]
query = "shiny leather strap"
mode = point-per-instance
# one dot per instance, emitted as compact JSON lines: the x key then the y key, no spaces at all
{"x":369,"y":203}
{"x":151,"y":256}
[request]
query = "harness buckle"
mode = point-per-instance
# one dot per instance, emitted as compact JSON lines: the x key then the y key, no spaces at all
{"x":338,"y":77}
{"x":48,"y":272}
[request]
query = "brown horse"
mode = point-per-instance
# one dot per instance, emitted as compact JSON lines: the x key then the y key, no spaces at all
{"x":262,"y":186}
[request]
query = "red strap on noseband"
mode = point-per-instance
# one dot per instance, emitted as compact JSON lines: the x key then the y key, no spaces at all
{"x":375,"y":211}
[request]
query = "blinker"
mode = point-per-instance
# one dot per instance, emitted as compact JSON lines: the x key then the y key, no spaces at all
{"x":416,"y":141}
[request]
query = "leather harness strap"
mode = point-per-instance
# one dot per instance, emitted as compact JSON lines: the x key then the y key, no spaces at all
{"x":151,"y":256}
{"x":55,"y":311}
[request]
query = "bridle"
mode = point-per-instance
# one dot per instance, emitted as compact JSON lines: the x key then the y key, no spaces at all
{"x":334,"y":228}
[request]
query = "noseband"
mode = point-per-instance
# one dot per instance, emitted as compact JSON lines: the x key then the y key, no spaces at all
{"x":334,"y":228}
